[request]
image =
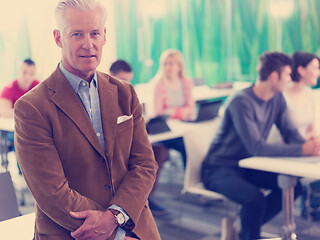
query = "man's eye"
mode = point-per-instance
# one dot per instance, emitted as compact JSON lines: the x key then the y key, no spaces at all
{"x":76,"y":34}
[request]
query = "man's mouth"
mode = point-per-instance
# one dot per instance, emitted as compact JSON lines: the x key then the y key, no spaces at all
{"x":88,"y":56}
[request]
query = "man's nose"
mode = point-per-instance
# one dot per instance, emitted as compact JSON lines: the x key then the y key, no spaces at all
{"x":87,"y":42}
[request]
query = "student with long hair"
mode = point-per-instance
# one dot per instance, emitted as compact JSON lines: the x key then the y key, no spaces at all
{"x":173,"y":97}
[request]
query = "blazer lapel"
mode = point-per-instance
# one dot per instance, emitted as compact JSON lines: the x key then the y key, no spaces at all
{"x":68,"y":101}
{"x":108,"y":95}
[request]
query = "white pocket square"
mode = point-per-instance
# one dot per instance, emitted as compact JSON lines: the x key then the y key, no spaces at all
{"x":123,"y":118}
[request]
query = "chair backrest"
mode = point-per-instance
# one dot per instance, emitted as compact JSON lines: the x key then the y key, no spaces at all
{"x":197,"y":143}
{"x":8,"y":200}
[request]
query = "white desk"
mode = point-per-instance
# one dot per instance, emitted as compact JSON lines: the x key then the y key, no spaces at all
{"x":289,"y":169}
{"x":7,"y":124}
{"x":179,"y":129}
{"x":295,"y":166}
{"x":21,"y":228}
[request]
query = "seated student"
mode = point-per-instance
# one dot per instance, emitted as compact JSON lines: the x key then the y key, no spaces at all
{"x":14,"y":90}
{"x":246,"y":123}
{"x":173,"y":94}
{"x":299,"y":97}
{"x":301,"y":107}
{"x":122,"y":70}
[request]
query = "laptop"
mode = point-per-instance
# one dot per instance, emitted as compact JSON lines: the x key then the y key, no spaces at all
{"x":207,"y":110}
{"x":157,"y":125}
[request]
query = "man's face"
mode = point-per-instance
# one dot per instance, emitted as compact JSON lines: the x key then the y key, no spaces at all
{"x":284,"y":79}
{"x":81,"y":41}
{"x":26,"y":76}
{"x":127,"y":76}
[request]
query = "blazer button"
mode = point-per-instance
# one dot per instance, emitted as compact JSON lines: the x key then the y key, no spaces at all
{"x":107,"y":186}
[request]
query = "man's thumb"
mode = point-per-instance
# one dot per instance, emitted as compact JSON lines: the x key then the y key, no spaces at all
{"x":82,"y":214}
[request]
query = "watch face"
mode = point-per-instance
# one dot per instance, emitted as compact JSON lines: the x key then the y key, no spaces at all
{"x":120,"y":219}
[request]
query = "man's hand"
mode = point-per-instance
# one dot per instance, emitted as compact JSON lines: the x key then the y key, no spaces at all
{"x":98,"y":225}
{"x":311,"y":147}
{"x":188,"y":114}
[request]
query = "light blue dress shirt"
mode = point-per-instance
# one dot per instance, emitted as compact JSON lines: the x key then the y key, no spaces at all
{"x":89,"y":96}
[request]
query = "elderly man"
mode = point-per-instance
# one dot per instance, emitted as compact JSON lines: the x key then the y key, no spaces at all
{"x":81,"y":141}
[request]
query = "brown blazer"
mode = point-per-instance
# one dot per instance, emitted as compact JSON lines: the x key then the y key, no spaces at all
{"x":64,"y":164}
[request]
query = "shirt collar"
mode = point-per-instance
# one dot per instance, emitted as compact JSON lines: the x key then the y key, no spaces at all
{"x":74,"y":80}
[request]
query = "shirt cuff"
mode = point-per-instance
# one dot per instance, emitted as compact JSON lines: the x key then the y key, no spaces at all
{"x":116,"y":207}
{"x":121,"y":234}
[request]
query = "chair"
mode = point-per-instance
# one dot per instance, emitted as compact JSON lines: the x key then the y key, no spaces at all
{"x":8,"y":200}
{"x":197,"y":144}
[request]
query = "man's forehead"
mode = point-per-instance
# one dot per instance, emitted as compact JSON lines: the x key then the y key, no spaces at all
{"x":75,"y":18}
{"x":28,"y":66}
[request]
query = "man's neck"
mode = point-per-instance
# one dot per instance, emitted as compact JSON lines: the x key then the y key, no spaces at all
{"x":263,"y":90}
{"x":22,"y":87}
{"x":87,"y":76}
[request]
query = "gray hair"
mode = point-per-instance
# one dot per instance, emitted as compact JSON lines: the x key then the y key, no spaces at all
{"x":83,"y":5}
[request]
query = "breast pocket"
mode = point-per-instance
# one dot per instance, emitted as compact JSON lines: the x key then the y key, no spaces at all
{"x":123,"y":140}
{"x":125,"y":126}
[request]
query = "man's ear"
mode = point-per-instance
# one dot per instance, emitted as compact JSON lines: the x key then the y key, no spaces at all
{"x":57,"y":37}
{"x":274,"y":76}
{"x":105,"y":36}
{"x":301,"y":70}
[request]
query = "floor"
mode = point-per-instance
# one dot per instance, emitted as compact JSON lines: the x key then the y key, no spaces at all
{"x":193,"y":217}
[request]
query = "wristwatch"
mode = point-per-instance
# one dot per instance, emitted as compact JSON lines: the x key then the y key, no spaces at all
{"x":119,"y":218}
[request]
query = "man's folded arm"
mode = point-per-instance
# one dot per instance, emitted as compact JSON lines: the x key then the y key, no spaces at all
{"x":42,"y":168}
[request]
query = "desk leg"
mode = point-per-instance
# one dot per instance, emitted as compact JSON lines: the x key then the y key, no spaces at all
{"x":287,"y":184}
{"x":4,"y":149}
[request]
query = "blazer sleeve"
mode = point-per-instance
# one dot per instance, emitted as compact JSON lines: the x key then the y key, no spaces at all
{"x":41,"y":166}
{"x":133,"y":192}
